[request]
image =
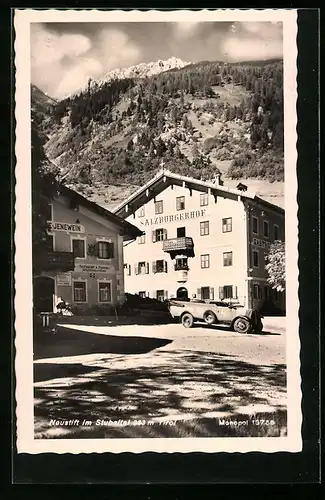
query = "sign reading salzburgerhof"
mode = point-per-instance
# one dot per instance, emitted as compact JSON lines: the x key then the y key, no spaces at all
{"x":173,"y":218}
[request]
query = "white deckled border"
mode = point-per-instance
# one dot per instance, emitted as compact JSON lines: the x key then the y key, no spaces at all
{"x":23,"y":241}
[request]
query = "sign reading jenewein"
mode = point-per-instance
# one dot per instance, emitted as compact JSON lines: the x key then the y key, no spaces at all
{"x":92,"y":268}
{"x":173,"y":218}
{"x":64,"y":226}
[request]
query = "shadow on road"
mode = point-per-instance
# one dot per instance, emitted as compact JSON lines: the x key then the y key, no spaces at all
{"x":169,"y":383}
{"x":68,"y":342}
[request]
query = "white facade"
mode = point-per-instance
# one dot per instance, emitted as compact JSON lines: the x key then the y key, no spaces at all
{"x":229,"y":254}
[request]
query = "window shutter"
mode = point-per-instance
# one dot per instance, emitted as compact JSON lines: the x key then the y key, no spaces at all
{"x":166,"y":294}
{"x":136,"y":268}
{"x":234,"y":292}
{"x":147,"y":267}
{"x":211,"y":293}
{"x":154,"y":236}
{"x":154,"y":266}
{"x":221,"y":292}
{"x":110,"y":250}
{"x":165,"y":266}
{"x":165,"y":234}
{"x":129,"y":269}
{"x":198,"y":294}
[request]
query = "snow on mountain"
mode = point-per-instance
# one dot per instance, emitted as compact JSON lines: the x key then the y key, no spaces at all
{"x":141,"y":70}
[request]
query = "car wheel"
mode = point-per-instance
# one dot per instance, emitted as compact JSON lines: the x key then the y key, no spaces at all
{"x":242,"y":325}
{"x":210,"y":318}
{"x":187,"y":320}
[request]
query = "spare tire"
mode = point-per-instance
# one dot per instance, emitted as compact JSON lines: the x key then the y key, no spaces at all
{"x":242,"y":325}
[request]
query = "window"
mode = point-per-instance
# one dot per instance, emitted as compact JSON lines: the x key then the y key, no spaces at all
{"x":255,"y":224}
{"x":141,"y":212}
{"x":49,"y":212}
{"x":276,"y":295}
{"x":105,"y":249}
{"x":276,"y":231}
{"x":78,"y":248}
{"x":265,"y":228}
{"x":160,"y":295}
{"x":142,"y":239}
{"x":79,"y":291}
{"x":180,"y":203}
{"x":257,"y":292}
{"x":255,"y":258}
{"x":204,"y":228}
{"x":141,"y":268}
{"x":205,"y":261}
{"x":227,"y":225}
{"x":228,"y":292}
{"x":181,"y":264}
{"x":204,"y":199}
{"x":105,"y":291}
{"x":127,"y":268}
{"x":159,"y":235}
{"x":181,"y":231}
{"x":159,"y":207}
{"x":159,"y":266}
{"x":142,"y":294}
{"x":227,"y":258}
{"x":205,"y":292}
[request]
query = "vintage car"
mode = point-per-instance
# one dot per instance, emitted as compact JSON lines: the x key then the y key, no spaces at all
{"x":239,"y":318}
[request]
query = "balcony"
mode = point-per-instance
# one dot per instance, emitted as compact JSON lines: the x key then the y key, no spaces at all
{"x":177,"y":246}
{"x":57,"y":261}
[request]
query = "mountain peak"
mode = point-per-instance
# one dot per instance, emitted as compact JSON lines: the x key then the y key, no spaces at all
{"x":141,"y":70}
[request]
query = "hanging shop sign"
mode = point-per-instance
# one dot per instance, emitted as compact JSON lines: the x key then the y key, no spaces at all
{"x":64,"y":279}
{"x":67,"y":227}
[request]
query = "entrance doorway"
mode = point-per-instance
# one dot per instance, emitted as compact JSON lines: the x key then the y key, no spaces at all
{"x":182,"y":293}
{"x":44,"y":291}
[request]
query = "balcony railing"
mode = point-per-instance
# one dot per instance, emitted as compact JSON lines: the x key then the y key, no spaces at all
{"x":184,"y":243}
{"x":57,"y":261}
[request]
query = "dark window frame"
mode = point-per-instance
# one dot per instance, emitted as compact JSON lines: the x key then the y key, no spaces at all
{"x":203,"y":225}
{"x":204,"y":261}
{"x":84,"y":282}
{"x":84,"y":247}
{"x":180,"y":200}
{"x":204,"y":199}
{"x":226,"y":259}
{"x":226,"y":225}
{"x":158,"y":204}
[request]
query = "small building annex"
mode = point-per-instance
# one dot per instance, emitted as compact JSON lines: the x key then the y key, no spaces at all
{"x":84,"y":263}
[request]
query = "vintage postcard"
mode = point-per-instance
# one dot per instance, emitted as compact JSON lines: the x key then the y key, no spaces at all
{"x":156,"y":260}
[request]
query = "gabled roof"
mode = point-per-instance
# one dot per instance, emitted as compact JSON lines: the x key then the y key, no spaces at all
{"x":164,"y":178}
{"x":127,"y":230}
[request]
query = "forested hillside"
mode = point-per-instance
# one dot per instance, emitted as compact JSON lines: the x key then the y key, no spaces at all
{"x":196,"y":120}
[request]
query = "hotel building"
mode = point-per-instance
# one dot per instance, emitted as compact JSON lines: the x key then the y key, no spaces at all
{"x":200,"y":239}
{"x":84,"y":263}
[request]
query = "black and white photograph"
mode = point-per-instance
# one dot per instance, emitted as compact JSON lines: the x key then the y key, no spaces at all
{"x":156,"y":231}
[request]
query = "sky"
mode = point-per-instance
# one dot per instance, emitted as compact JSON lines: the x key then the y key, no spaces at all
{"x":65,"y":55}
